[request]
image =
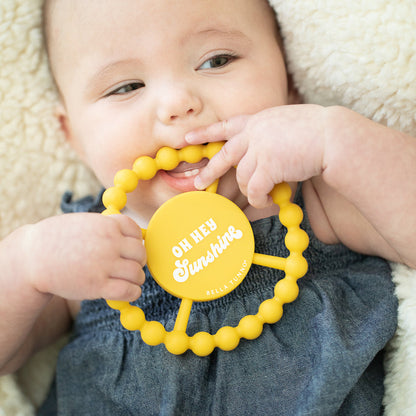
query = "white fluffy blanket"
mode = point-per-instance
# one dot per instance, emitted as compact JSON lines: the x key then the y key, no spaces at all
{"x":360,"y":54}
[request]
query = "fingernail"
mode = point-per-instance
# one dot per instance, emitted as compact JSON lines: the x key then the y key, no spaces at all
{"x":199,"y":184}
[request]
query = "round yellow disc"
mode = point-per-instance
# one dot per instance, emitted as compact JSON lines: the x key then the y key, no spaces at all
{"x":199,"y":245}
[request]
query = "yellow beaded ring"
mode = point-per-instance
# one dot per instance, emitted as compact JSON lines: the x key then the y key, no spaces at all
{"x":200,"y":246}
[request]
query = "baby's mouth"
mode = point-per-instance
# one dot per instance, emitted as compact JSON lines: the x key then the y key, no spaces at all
{"x":187,"y":170}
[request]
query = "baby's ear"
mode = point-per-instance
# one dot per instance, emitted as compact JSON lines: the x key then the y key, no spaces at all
{"x":65,"y":124}
{"x":62,"y":117}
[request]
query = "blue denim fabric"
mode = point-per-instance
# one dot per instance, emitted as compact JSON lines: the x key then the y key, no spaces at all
{"x":87,"y":204}
{"x":324,"y":357}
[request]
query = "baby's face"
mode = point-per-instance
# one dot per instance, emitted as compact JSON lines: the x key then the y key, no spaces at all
{"x":136,"y":75}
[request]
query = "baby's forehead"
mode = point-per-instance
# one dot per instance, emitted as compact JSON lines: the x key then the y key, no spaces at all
{"x":71,"y":26}
{"x":55,"y":20}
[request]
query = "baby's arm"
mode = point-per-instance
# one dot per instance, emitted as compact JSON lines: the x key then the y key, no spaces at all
{"x":359,"y":176}
{"x":69,"y":257}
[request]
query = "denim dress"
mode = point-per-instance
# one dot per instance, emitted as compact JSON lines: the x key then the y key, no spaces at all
{"x":324,"y":357}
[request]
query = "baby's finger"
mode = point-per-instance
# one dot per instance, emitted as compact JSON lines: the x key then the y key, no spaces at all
{"x":128,"y":227}
{"x":245,"y":169}
{"x":133,"y":249}
{"x":223,"y":130}
{"x":258,"y":189}
{"x":229,"y":155}
{"x":128,"y":270}
{"x":120,"y":289}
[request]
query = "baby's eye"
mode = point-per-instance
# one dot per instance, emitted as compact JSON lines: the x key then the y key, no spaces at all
{"x":127,"y":88}
{"x":217,"y":61}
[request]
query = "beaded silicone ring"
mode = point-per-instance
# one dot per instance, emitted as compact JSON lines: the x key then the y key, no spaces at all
{"x":219,"y":233}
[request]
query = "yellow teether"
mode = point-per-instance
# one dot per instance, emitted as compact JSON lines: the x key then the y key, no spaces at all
{"x":200,"y":246}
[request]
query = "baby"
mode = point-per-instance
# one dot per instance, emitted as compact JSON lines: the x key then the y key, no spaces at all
{"x":136,"y":75}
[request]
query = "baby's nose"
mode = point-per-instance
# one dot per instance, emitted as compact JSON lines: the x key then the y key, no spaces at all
{"x":177,"y":103}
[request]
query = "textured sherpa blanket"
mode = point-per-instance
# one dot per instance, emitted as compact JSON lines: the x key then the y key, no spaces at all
{"x":360,"y":54}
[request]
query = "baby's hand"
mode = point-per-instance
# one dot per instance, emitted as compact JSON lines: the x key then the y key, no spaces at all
{"x":278,"y":144}
{"x":86,"y":256}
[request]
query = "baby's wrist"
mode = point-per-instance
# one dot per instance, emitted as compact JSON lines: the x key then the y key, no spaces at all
{"x":16,"y":265}
{"x":30,"y":265}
